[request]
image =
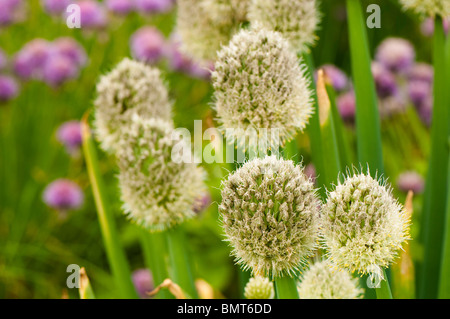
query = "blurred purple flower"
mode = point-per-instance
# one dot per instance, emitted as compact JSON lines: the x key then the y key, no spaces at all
{"x":411,"y":180}
{"x":421,"y":72}
{"x":419,"y":91}
{"x":63,"y":195}
{"x":395,"y":54}
{"x":180,"y":62}
{"x":55,"y":7}
{"x":427,"y":26}
{"x":143,"y":282}
{"x":8,"y":88}
{"x":8,"y":11}
{"x":120,"y":7}
{"x":154,"y":6}
{"x":59,"y":69}
{"x":346,"y":104}
{"x":69,"y":134}
{"x":338,"y":78}
{"x":29,"y":61}
{"x":93,"y":14}
{"x":384,"y":80}
{"x":70,"y":48}
{"x":425,"y":110}
{"x":202,"y":203}
{"x":148,"y":44}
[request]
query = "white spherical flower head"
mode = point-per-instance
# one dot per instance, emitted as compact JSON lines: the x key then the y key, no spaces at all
{"x":259,"y":84}
{"x":269,"y":213}
{"x":205,"y":25}
{"x":428,"y":7}
{"x":324,"y":281}
{"x":259,"y":288}
{"x":296,"y":20}
{"x":130,"y":88}
{"x":363,"y":226}
{"x":158,"y":192}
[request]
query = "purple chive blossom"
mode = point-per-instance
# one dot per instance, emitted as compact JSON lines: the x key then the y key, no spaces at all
{"x":55,"y":7}
{"x":9,"y":10}
{"x":29,"y":61}
{"x":395,"y":54}
{"x":143,"y":282}
{"x":425,"y":110}
{"x":346,"y":104}
{"x":427,"y":26}
{"x":69,"y":134}
{"x":419,"y":91}
{"x":58,"y":70}
{"x":411,"y":180}
{"x":8,"y":88}
{"x":338,"y":79}
{"x":384,"y":80}
{"x":71,"y":49}
{"x":202,"y":203}
{"x":180,"y":62}
{"x":421,"y":72}
{"x":153,"y":6}
{"x":93,"y":14}
{"x":63,"y":195}
{"x":120,"y":7}
{"x":148,"y":45}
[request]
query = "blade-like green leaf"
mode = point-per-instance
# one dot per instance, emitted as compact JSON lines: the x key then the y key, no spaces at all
{"x":114,"y":249}
{"x":436,"y":184}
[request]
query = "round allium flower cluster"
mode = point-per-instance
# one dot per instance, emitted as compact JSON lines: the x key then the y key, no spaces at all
{"x":259,"y":83}
{"x":259,"y":288}
{"x":362,"y":225}
{"x":428,"y":7}
{"x":427,"y":26}
{"x":346,"y":104}
{"x":323,"y":281}
{"x":63,"y":195}
{"x":130,"y":88}
{"x":205,"y":25}
{"x":158,"y":192}
{"x":385,"y":81}
{"x":269,"y":212}
{"x":52,"y":62}
{"x":69,"y":134}
{"x":296,"y":20}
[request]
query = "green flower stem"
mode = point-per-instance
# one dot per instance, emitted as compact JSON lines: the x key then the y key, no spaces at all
{"x":114,"y":249}
{"x":384,"y":292}
{"x":286,"y":288}
{"x":313,"y":128}
{"x":179,"y":262}
{"x":367,"y":115}
{"x":155,"y":251}
{"x":436,"y":192}
{"x":444,"y":287}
